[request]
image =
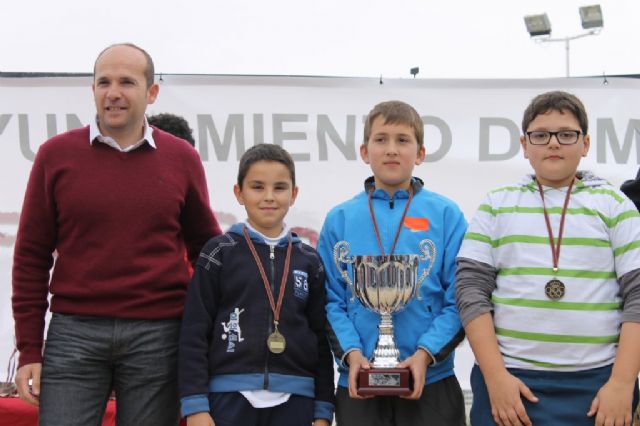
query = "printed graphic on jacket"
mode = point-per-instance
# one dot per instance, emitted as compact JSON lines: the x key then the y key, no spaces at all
{"x":232,"y":330}
{"x":300,"y":284}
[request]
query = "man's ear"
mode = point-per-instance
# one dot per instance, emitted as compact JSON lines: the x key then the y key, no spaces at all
{"x":152,"y":93}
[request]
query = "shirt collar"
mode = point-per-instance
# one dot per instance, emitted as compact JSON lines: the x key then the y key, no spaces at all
{"x":268,"y":240}
{"x":370,"y":185}
{"x":94,"y":134}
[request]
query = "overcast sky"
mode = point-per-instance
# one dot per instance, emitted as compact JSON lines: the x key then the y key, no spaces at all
{"x":446,"y":39}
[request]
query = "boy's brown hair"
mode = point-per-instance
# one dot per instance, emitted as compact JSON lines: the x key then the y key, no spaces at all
{"x":556,"y":101}
{"x":395,"y":112}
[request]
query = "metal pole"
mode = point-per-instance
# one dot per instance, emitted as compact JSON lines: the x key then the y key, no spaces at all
{"x":566,"y":41}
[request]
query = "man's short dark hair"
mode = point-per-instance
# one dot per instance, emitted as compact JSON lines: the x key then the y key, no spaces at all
{"x":265,"y":152}
{"x":149,"y":71}
{"x":173,"y":124}
{"x":556,"y":101}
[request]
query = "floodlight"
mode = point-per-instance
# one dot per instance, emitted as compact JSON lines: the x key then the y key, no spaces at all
{"x":591,"y":17}
{"x":538,"y":25}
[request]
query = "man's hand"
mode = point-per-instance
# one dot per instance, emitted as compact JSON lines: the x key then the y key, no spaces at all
{"x":356,"y":361}
{"x":25,"y":373}
{"x":200,"y":419}
{"x":506,"y":405}
{"x":417,"y":364}
{"x":612,"y":404}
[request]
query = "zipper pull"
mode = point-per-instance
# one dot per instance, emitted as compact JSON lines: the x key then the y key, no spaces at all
{"x":272,"y":254}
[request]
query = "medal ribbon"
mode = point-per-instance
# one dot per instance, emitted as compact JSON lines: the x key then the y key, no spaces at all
{"x":274,"y":308}
{"x":375,"y":223}
{"x":555,"y":250}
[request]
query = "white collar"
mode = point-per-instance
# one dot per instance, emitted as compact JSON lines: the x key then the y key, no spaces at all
{"x":94,"y":134}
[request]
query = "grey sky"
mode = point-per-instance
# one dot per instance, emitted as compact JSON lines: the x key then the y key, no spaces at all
{"x":446,"y":39}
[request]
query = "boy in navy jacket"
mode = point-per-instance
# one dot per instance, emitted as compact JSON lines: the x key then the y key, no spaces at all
{"x":253,"y":349}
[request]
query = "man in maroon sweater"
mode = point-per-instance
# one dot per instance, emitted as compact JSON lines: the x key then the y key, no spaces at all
{"x":120,"y":202}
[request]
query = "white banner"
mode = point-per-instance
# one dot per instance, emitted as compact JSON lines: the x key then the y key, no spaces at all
{"x":471,"y":137}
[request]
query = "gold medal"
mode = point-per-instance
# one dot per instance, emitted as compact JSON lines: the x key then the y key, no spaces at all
{"x":276,"y":342}
{"x":554,"y":289}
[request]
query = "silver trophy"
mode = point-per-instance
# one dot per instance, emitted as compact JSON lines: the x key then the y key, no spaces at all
{"x":385,"y":284}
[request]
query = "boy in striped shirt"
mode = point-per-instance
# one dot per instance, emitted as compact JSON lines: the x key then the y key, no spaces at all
{"x":548,"y":285}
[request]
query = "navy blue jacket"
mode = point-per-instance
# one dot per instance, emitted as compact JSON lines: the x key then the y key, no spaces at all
{"x":227,"y":319}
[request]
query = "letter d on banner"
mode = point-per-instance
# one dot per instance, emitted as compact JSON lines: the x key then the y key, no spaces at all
{"x":485,"y":130}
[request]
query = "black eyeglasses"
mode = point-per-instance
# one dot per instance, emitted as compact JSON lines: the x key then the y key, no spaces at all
{"x":564,"y":137}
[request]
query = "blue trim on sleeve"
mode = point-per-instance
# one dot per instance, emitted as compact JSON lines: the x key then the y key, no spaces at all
{"x":323,"y":410}
{"x":298,"y":385}
{"x":194,"y":404}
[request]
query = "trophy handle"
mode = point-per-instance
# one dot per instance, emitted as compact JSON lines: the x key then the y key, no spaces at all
{"x":428,"y":253}
{"x":341,"y":256}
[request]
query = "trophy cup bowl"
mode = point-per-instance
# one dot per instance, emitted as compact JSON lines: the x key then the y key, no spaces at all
{"x":385,"y":284}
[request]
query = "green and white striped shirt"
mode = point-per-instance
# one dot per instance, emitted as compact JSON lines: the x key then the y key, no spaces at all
{"x":600,"y":244}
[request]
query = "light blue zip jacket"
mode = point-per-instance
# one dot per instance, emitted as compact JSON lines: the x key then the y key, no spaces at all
{"x":431,"y":323}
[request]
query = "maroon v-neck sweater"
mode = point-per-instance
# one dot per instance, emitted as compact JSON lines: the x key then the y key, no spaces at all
{"x":120,"y":223}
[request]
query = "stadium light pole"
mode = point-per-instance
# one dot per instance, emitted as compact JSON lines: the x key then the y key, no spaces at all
{"x":539,"y":28}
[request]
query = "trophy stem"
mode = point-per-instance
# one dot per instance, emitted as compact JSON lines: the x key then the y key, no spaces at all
{"x":386,"y":354}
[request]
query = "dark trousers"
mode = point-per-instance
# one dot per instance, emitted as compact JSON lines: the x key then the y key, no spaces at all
{"x":441,"y":404}
{"x":233,"y":409}
{"x":564,"y":397}
{"x":85,"y":357}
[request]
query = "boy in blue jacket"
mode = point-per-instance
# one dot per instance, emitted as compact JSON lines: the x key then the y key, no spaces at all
{"x":253,"y":348}
{"x":393,"y":215}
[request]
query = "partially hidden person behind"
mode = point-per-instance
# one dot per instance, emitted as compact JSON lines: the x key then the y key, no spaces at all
{"x":392,"y":215}
{"x":253,"y":346}
{"x":120,"y":203}
{"x":631,"y":189}
{"x":174,"y":124}
{"x":177,"y":126}
{"x":548,"y":285}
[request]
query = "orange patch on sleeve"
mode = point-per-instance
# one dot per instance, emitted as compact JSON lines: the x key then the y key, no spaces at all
{"x":417,"y":223}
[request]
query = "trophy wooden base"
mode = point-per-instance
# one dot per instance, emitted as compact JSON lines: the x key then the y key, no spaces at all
{"x":385,"y":381}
